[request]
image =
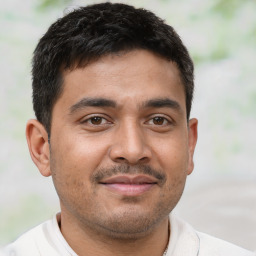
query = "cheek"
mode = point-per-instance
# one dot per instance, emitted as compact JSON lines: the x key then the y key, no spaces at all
{"x":79,"y":153}
{"x":172,"y":154}
{"x":72,"y":161}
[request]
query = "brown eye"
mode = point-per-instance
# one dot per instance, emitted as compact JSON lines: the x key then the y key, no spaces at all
{"x":96,"y":120}
{"x":159,"y":120}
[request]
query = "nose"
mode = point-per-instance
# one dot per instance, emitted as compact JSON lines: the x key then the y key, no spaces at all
{"x":129,"y":145}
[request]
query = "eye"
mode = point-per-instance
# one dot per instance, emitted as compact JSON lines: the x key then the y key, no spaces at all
{"x":159,"y":120}
{"x":96,"y":121}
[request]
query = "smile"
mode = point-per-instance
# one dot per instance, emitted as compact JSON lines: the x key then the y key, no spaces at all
{"x":130,"y":185}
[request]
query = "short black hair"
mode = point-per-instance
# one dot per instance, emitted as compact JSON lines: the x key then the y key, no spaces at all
{"x":88,"y":33}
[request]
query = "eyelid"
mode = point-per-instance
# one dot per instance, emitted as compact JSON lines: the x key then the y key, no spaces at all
{"x":167,"y":118}
{"x":86,"y":118}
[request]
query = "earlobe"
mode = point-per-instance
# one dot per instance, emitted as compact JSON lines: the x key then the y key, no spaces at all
{"x":192,"y":139}
{"x":37,"y":139}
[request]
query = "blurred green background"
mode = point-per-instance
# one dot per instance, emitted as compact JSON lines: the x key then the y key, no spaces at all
{"x":220,"y":197}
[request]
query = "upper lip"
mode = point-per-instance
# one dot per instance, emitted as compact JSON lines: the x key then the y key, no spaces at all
{"x":127,"y":179}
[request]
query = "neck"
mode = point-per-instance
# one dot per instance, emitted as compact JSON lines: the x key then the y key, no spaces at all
{"x":86,"y":241}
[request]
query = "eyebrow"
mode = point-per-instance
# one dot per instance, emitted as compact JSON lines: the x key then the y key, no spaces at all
{"x":162,"y":103}
{"x":92,"y":102}
{"x":103,"y":102}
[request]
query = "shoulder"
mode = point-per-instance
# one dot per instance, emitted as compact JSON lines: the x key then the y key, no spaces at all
{"x":190,"y":242}
{"x":29,"y":243}
{"x":216,"y":247}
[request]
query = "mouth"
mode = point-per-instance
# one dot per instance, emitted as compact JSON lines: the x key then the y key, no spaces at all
{"x":129,"y":185}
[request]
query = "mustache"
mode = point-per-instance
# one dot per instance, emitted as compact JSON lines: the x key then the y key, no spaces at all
{"x":104,"y":173}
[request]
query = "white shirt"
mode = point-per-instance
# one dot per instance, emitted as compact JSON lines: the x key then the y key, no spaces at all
{"x":47,"y":240}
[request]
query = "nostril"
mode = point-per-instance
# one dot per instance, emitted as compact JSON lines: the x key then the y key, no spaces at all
{"x":143,"y":159}
{"x":121,"y":160}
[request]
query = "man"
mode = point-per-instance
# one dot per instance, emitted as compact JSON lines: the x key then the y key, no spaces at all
{"x":112,"y":93}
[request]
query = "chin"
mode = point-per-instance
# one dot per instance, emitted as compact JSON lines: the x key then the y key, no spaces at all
{"x":130,"y":224}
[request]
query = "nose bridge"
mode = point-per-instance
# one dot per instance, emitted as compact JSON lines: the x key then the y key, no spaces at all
{"x":133,"y":137}
{"x":130,"y":143}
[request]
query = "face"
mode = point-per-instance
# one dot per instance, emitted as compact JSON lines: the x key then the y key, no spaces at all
{"x":121,"y":147}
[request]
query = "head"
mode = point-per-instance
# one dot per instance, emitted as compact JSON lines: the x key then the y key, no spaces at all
{"x":112,"y":92}
{"x":91,"y":32}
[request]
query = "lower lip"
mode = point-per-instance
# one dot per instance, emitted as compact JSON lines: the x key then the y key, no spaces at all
{"x":130,"y":189}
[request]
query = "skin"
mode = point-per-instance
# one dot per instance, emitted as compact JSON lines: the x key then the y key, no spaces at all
{"x":139,"y":124}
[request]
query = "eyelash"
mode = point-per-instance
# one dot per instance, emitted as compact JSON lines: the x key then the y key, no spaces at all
{"x":165,"y":121}
{"x":89,"y":120}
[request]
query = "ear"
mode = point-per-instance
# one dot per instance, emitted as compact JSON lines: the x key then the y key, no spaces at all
{"x":37,"y":139}
{"x":192,"y":139}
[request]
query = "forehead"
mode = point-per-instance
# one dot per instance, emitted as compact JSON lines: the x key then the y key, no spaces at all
{"x":136,"y":75}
